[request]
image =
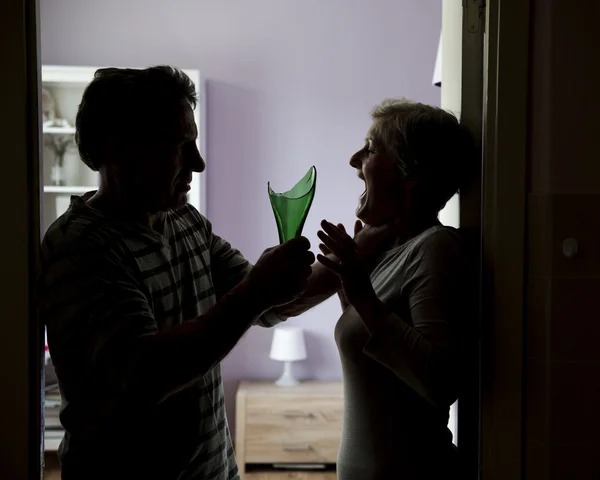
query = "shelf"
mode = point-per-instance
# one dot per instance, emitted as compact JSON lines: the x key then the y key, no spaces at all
{"x":69,"y":188}
{"x":52,"y":439}
{"x":59,"y":130}
{"x":68,"y":75}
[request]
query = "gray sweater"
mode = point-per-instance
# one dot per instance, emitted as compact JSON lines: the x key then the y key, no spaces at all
{"x":400,"y":381}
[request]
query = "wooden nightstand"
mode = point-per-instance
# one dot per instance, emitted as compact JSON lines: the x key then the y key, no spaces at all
{"x":299,"y":425}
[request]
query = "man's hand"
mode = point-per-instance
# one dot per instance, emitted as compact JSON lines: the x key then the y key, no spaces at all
{"x":281,"y":273}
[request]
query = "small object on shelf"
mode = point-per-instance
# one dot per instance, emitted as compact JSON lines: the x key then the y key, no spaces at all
{"x":48,"y":106}
{"x":59,"y":145}
{"x":46,"y":349}
{"x":288,"y":346}
{"x":57,"y":172}
{"x":291,"y":208}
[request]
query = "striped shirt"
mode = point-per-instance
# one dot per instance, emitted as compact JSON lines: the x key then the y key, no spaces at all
{"x":106,"y":283}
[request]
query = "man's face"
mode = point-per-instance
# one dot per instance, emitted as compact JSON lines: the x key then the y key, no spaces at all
{"x":163,"y":171}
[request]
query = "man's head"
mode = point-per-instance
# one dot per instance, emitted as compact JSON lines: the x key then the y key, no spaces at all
{"x":137,"y":128}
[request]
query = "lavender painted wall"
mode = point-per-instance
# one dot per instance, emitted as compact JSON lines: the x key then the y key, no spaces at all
{"x":289,"y":84}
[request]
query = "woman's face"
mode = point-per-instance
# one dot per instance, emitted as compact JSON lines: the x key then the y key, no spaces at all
{"x":385,"y":196}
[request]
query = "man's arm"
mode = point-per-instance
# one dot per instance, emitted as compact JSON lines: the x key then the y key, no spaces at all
{"x":94,"y":304}
{"x":97,"y":314}
{"x":185,"y":352}
{"x":231,"y":268}
{"x":322,"y":284}
{"x":170,"y":360}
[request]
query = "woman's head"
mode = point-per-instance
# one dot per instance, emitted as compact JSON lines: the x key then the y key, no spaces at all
{"x":415,"y":158}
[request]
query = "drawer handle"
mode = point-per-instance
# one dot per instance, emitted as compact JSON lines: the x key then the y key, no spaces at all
{"x":298,"y":415}
{"x":296,"y":448}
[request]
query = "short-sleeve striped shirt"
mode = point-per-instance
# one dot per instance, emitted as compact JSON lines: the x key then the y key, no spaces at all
{"x":104,"y":284}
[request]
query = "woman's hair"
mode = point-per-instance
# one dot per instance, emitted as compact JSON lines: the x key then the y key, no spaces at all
{"x":429,"y":144}
{"x":127,"y":106}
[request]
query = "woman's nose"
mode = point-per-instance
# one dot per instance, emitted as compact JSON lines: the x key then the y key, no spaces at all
{"x":356,"y":160}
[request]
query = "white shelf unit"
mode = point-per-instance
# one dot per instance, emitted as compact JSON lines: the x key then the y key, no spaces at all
{"x":66,"y":85}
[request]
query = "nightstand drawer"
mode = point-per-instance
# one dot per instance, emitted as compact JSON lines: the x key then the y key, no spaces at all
{"x":290,"y":476}
{"x":295,"y":414}
{"x":277,"y":447}
{"x":299,"y":429}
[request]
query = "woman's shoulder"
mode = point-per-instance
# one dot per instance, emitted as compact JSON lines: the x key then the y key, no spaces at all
{"x":436,"y":249}
{"x":435,"y":252}
{"x":438,"y":238}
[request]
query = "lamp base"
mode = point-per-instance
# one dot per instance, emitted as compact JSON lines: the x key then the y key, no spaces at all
{"x":287,"y":379}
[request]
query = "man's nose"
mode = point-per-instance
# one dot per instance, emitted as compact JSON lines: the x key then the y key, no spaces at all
{"x":197,"y":162}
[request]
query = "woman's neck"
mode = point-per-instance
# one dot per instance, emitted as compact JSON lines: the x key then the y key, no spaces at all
{"x":408,"y":230}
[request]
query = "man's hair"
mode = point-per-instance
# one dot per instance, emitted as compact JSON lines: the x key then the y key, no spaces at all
{"x":429,"y":144}
{"x":125,"y":106}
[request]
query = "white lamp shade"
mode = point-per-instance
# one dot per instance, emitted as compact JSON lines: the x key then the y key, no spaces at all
{"x":288,"y":344}
{"x":437,"y":71}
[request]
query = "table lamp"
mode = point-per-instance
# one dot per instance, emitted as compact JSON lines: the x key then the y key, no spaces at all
{"x":288,"y":346}
{"x":437,"y":70}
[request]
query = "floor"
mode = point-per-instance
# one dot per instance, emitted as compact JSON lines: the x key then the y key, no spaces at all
{"x":52,"y":468}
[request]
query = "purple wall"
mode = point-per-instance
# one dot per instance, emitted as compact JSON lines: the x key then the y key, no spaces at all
{"x":289,"y":84}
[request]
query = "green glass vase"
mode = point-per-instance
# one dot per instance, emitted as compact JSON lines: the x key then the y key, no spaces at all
{"x":291,"y":207}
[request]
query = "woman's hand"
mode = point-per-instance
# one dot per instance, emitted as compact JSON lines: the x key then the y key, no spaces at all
{"x":351,"y":267}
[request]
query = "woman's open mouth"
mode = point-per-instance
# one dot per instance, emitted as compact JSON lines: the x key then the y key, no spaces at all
{"x":360,"y":175}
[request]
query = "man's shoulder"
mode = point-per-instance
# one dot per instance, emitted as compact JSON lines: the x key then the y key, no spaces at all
{"x":189,"y":215}
{"x":77,"y":231}
{"x":80,"y":239}
{"x":194,"y":223}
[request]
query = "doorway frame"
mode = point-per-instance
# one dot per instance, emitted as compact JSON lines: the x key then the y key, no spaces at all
{"x":502,"y":213}
{"x":504,"y":207}
{"x":21,"y":340}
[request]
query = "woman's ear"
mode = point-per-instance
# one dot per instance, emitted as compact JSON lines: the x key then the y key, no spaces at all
{"x":410,"y":183}
{"x":410,"y":186}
